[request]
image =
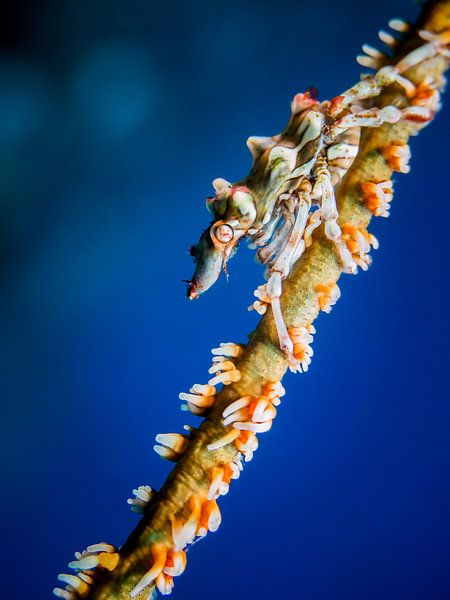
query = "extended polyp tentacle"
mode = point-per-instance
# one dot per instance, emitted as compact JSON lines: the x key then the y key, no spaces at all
{"x":397,"y":156}
{"x":107,"y":559}
{"x":377,"y":197}
{"x":253,"y":427}
{"x":263,"y":410}
{"x":96,"y":556}
{"x":75,"y":582}
{"x":225,"y":373}
{"x":229,"y":349}
{"x":327,"y":295}
{"x":399,"y":25}
{"x":302,"y":338}
{"x":216,"y":475}
{"x":175,"y":563}
{"x":263,"y":300}
{"x":359,"y":241}
{"x":200,"y":398}
{"x":142,"y":496}
{"x":228,"y":438}
{"x":428,"y":93}
{"x":387,"y":38}
{"x":183,"y":531}
{"x":210,"y":518}
{"x":372,"y":58}
{"x":250,"y":416}
{"x":238,"y":404}
{"x":222,"y":365}
{"x":164,"y":584}
{"x":64,"y":594}
{"x":238,"y":415}
{"x":441,"y":38}
{"x":159,"y":556}
{"x":171,"y":445}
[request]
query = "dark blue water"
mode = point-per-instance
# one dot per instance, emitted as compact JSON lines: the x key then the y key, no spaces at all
{"x":115,"y":117}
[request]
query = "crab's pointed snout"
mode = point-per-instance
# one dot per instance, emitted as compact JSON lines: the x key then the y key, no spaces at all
{"x":192,"y":291}
{"x":208,"y":264}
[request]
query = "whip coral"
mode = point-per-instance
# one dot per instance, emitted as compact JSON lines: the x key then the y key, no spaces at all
{"x":330,"y":240}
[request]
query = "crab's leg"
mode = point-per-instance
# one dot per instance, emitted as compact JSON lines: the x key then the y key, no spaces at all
{"x":340,"y":156}
{"x":433,"y":48}
{"x":274,"y":289}
{"x":373,"y":117}
{"x":389,"y":74}
{"x":370,"y":88}
{"x":283,"y":264}
{"x":277,"y":242}
{"x":329,"y":214}
{"x":260,"y":237}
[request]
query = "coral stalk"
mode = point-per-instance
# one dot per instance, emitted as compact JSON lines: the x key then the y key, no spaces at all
{"x":210,"y":457}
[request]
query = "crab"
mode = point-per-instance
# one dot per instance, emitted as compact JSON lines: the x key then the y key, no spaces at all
{"x":290,"y":189}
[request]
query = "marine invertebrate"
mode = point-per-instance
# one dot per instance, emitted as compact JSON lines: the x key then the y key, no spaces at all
{"x":298,"y":170}
{"x":210,"y":458}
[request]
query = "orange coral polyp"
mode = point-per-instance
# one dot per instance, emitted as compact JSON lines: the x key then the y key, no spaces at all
{"x":397,"y":157}
{"x":159,"y":556}
{"x":359,"y":241}
{"x":216,"y":474}
{"x":377,"y":197}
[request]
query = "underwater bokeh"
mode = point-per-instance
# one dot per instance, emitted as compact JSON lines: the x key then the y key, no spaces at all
{"x":114,"y":119}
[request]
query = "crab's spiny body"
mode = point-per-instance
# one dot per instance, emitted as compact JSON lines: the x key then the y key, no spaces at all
{"x":290,"y":189}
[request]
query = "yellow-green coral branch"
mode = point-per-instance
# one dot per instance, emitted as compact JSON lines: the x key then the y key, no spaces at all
{"x":261,"y":361}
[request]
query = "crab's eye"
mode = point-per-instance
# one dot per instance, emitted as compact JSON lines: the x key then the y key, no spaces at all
{"x":224,"y":233}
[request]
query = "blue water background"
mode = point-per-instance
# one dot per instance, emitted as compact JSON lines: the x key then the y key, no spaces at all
{"x":114,"y":119}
